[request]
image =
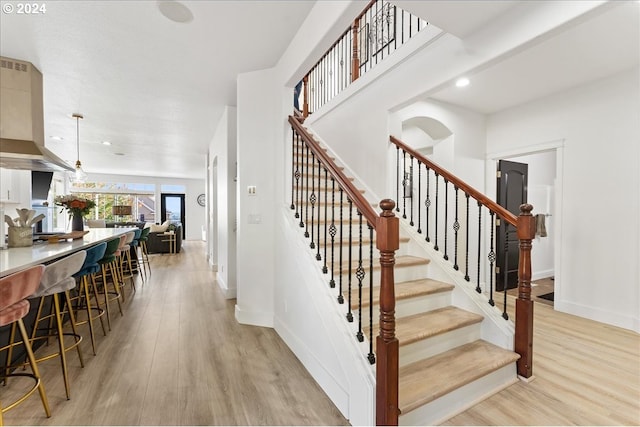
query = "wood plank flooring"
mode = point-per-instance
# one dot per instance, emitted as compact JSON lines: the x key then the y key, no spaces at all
{"x":178,"y":357}
{"x":586,"y":373}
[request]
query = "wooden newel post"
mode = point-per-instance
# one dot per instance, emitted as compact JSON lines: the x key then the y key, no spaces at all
{"x":524,"y":305}
{"x":305,"y":100}
{"x":387,"y":367}
{"x":355,"y":58}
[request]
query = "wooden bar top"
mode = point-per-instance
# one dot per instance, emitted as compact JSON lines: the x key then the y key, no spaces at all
{"x":16,"y":259}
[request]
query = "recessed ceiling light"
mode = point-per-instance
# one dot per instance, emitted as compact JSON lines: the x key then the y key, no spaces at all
{"x":175,"y":11}
{"x":56,"y":138}
{"x":462,"y":82}
{"x":106,"y":143}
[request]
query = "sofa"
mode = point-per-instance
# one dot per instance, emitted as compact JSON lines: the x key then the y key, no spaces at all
{"x":157,"y":242}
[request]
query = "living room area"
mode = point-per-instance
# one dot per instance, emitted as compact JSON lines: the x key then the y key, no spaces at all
{"x":172,"y":208}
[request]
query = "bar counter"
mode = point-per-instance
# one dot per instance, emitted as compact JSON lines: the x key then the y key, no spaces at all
{"x":16,"y":259}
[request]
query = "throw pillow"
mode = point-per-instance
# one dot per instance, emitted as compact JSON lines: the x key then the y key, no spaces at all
{"x":159,"y":228}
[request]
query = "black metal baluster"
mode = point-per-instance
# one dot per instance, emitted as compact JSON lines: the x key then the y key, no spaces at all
{"x":456,"y":228}
{"x":332,"y":231}
{"x":411,"y":190}
{"x":435,"y":245}
{"x":446,"y":216}
{"x":350,"y":266}
{"x":397,"y":178}
{"x":293,"y":166}
{"x":404,"y":184}
{"x":360,"y":275}
{"x":427,"y":204}
{"x":419,"y":198}
{"x":466,"y":256}
{"x":492,"y":259}
{"x":305,"y":224}
{"x":325,"y":269}
{"x":478,"y":290}
{"x":297,"y":175}
{"x":313,"y":199}
{"x":505,"y":275}
{"x":371,"y":356}
{"x":340,"y":296}
{"x":402,"y":26}
{"x":318,"y":257}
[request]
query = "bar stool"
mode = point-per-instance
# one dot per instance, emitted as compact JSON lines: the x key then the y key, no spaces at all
{"x":125,"y":260}
{"x":57,"y":279}
{"x":119,"y":254}
{"x":14,"y":290}
{"x":135,"y":243}
{"x":108,"y":262}
{"x":88,"y":271}
{"x":144,"y":255}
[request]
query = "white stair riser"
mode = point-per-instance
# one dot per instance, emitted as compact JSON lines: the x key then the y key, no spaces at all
{"x":449,"y":405}
{"x":318,"y":213}
{"x":403,"y":274}
{"x":410,"y":306}
{"x":438,"y":344}
{"x":355,"y":248}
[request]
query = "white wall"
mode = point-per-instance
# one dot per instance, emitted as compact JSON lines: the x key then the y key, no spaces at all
{"x":195,"y":215}
{"x":222,"y":161}
{"x":258,"y":102}
{"x":597,"y":273}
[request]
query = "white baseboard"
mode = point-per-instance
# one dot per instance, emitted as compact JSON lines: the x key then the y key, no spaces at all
{"x":597,"y":314}
{"x":254,"y":318}
{"x":229,"y":293}
{"x":542,"y":274}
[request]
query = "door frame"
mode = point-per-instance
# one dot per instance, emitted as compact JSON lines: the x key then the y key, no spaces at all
{"x":557,"y":145}
{"x":163,"y":209}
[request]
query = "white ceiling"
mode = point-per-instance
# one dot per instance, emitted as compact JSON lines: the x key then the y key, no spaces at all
{"x":603,"y":43}
{"x":152,"y":87}
{"x":156,"y":88}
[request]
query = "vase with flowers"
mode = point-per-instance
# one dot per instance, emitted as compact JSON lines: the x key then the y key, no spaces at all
{"x":77,"y":207}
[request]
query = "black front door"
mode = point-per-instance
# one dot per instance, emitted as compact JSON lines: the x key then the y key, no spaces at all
{"x":172,"y":209}
{"x":512,"y":192}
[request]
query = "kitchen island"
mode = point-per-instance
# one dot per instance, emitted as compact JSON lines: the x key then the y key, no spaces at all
{"x":15,"y":259}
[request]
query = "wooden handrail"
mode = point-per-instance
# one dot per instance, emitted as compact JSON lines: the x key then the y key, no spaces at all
{"x":347,"y":186}
{"x":490,"y":204}
{"x":387,"y":241}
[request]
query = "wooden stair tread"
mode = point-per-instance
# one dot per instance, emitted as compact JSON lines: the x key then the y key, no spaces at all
{"x":425,"y":325}
{"x":403,"y":290}
{"x":401,"y":261}
{"x":328,"y":190}
{"x":345,"y":242}
{"x":426,"y":380}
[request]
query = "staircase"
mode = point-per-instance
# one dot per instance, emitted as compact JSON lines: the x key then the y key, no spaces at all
{"x":445,"y":364}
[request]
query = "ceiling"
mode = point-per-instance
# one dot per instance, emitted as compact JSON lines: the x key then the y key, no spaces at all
{"x":156,"y":88}
{"x":601,"y":44}
{"x":152,"y":87}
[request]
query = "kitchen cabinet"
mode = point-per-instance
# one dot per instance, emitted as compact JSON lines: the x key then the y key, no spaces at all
{"x":15,"y":186}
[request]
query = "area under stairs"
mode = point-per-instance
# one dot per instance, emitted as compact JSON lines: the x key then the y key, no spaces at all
{"x":445,"y":365}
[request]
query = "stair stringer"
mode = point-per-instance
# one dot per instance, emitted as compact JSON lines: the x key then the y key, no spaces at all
{"x":319,"y":333}
{"x":494,"y":328}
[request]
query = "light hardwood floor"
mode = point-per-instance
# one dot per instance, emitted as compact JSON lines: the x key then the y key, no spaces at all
{"x":178,"y":357}
{"x":585,"y":373}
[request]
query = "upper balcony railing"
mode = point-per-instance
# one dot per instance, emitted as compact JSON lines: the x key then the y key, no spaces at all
{"x":374,"y":34}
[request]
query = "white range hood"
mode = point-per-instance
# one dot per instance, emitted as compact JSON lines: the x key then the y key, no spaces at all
{"x":22,"y":119}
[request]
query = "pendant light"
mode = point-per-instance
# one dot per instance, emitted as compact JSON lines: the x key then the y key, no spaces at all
{"x":80,"y":175}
